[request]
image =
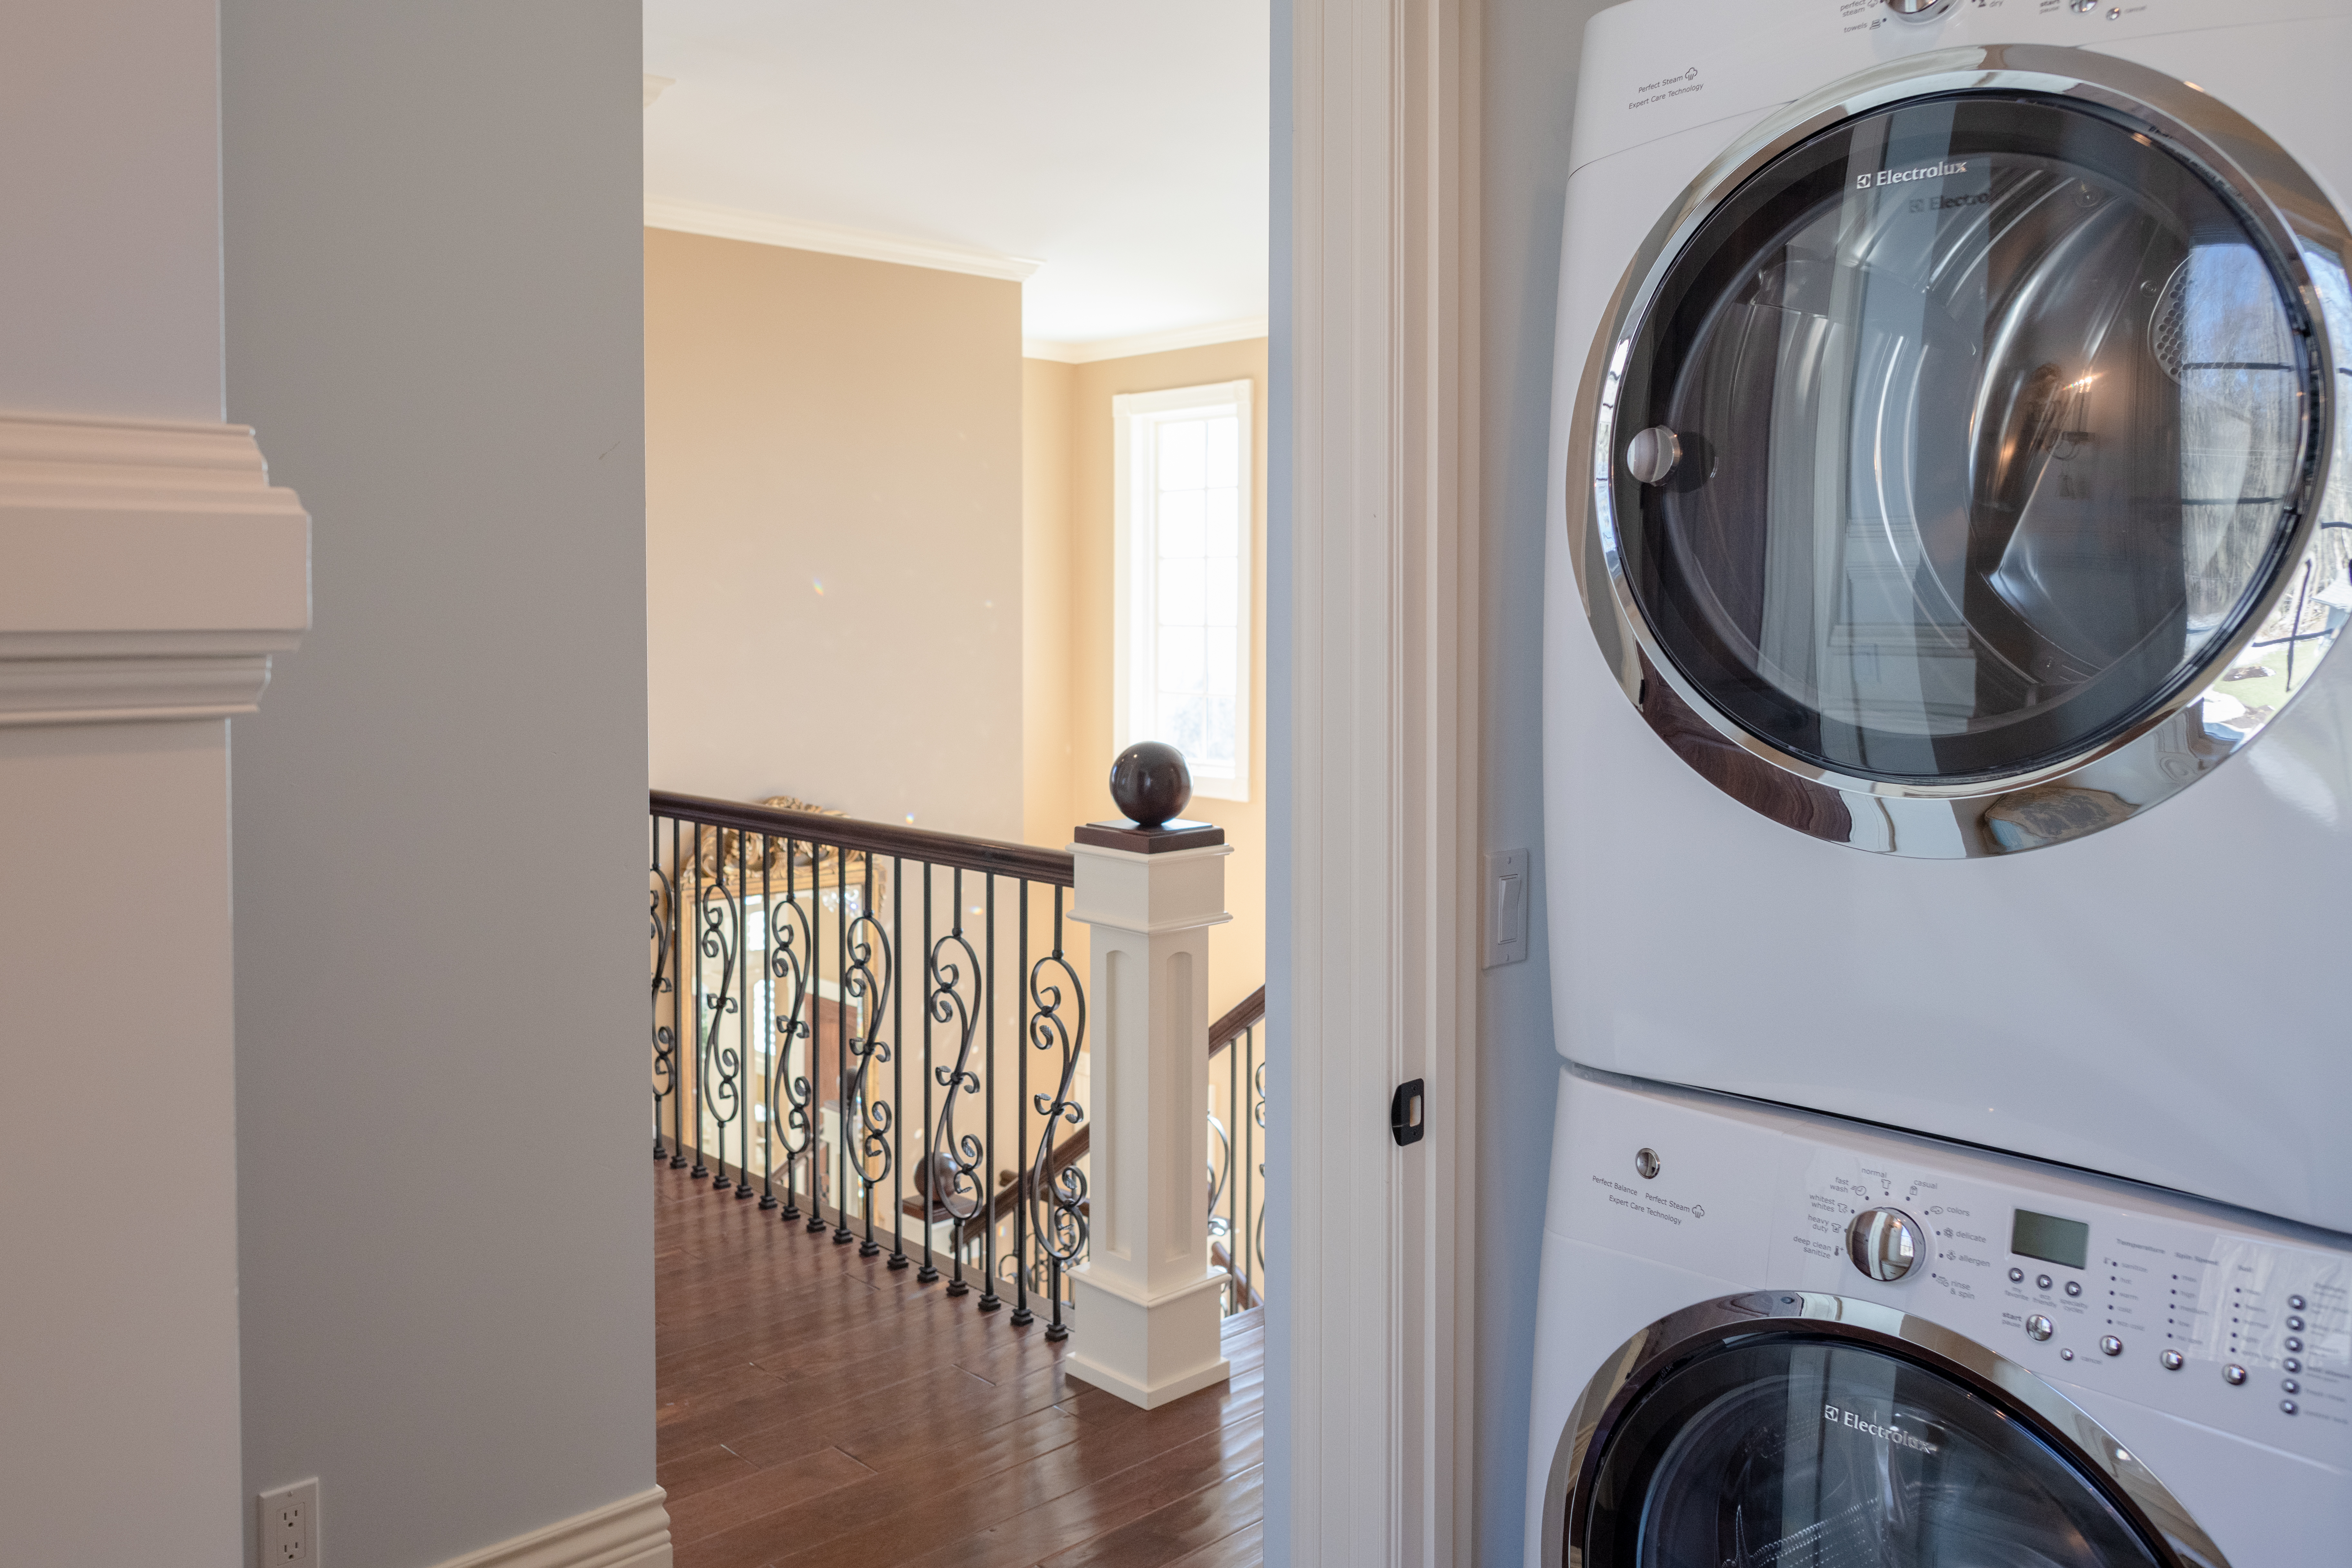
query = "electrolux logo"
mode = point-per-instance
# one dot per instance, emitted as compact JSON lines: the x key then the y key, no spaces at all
{"x":1895,"y":1437}
{"x":1897,"y":176}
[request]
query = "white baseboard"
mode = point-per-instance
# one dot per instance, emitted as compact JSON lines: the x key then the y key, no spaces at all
{"x":631,"y":1534}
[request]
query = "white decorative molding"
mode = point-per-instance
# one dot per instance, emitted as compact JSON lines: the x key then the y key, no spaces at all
{"x":631,"y":1534}
{"x":151,"y":570}
{"x":1371,"y":1445}
{"x":766,"y":228}
{"x":1148,"y":343}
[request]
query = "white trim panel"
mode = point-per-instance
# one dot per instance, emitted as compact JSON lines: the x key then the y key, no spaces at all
{"x":152,"y":570}
{"x":793,"y":233}
{"x":1239,"y":331}
{"x":631,"y":1534}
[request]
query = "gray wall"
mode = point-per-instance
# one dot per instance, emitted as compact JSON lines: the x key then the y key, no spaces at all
{"x":1531,"y":54}
{"x":434,"y":307}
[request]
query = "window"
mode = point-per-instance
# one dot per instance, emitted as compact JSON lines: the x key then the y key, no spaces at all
{"x":1182,"y":629}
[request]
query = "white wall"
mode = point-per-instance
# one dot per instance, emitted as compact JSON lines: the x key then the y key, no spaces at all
{"x":118,"y":1219}
{"x":110,"y":176}
{"x":1532,"y":57}
{"x":433,"y":317}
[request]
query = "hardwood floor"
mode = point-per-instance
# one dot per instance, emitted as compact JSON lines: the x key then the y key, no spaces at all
{"x":814,"y":1408}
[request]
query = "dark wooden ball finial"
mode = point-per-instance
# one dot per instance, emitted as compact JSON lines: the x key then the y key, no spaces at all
{"x":1151,"y":783}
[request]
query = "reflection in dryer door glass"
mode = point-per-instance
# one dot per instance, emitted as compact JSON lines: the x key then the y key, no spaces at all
{"x":1991,"y":416}
{"x":1803,"y":1454}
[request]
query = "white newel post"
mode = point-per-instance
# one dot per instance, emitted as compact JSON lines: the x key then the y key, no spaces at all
{"x":1145,"y":1323}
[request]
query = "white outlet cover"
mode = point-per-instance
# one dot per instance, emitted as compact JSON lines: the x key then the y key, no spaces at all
{"x":287,"y":1529}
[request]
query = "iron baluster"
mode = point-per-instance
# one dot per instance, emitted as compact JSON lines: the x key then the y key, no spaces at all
{"x":678,"y":1003}
{"x":927,"y":1179}
{"x":1022,"y":1316}
{"x":958,"y":1158}
{"x":1057,"y":1195}
{"x":664,"y":1041}
{"x":988,"y":1300}
{"x":767,"y":1117}
{"x":898,"y":1070}
{"x":870,"y":987}
{"x":742,"y":1033}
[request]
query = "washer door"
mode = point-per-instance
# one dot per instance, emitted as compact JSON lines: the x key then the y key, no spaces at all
{"x":1797,"y":1431}
{"x":1962,"y":440}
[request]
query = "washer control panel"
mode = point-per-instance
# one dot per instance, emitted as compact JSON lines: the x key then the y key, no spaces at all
{"x":2212,"y":1322}
{"x":2206,"y":1313}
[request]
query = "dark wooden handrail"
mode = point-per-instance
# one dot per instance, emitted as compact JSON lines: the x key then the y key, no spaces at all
{"x":1025,"y":860}
{"x":1249,"y":1010}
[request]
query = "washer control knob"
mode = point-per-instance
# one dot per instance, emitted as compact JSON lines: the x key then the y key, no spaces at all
{"x":1917,"y":9}
{"x":2173,"y":1361}
{"x":2038,"y":1327}
{"x":2110,"y":1345}
{"x":1652,"y":453}
{"x":2234,"y":1374}
{"x":1883,"y":1242}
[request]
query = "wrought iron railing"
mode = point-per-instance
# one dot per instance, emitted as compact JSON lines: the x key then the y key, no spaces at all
{"x":820,"y":985}
{"x":819,"y":982}
{"x":1237,"y":1152}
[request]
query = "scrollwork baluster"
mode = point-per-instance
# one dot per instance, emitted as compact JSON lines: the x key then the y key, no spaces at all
{"x":1057,"y":1198}
{"x":869,"y":986}
{"x":956,"y":1159}
{"x":719,"y":923}
{"x":665,"y":1038}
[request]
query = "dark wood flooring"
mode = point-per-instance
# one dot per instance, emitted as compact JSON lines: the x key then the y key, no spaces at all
{"x":813,"y":1408}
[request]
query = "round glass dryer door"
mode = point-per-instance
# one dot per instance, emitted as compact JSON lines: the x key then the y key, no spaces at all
{"x":1959,"y":443}
{"x":1802,"y":1453}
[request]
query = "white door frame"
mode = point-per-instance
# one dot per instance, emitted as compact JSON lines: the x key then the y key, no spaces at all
{"x":1370,"y":1353}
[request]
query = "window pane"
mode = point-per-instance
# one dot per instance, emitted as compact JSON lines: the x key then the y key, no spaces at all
{"x":1223,"y":590}
{"x":1184,"y":660}
{"x":1224,"y":653}
{"x":1217,"y":748}
{"x":1224,"y":451}
{"x":1180,"y":723}
{"x":1180,"y":593}
{"x":1223,"y":511}
{"x":1183,"y":455}
{"x":1182,"y":530}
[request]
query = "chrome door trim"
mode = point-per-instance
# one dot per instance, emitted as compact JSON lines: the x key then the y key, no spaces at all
{"x":1628,"y":1372}
{"x":2170,"y":748}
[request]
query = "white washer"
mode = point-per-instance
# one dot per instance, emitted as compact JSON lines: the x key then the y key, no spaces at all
{"x":1947,"y":466}
{"x":1771,"y":1339}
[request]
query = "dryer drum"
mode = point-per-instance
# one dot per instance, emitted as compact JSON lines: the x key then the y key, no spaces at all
{"x":2016,"y":421}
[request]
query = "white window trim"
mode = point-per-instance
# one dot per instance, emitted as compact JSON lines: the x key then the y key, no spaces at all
{"x":1132,"y":560}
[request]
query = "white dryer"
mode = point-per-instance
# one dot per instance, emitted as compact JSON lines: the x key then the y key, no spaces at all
{"x":1949,"y":535}
{"x":1769,"y":1339}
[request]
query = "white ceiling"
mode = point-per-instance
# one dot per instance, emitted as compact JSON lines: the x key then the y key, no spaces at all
{"x":1121,"y":146}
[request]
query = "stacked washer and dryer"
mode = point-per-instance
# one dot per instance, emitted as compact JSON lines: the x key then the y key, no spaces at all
{"x":1950,"y":791}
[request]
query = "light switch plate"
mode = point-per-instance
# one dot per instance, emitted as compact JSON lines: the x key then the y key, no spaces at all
{"x":1507,"y":906}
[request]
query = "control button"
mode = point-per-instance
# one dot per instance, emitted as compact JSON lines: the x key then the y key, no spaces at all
{"x":2017,"y":1276}
{"x":2298,"y":1302}
{"x":2234,"y":1374}
{"x":2038,"y":1327}
{"x":2041,"y":1281}
{"x":2065,"y":1355}
{"x":2073,"y":1286}
{"x":2293,"y":1364}
{"x":2290,"y":1386}
{"x":1652,"y":453}
{"x":2086,"y":5}
{"x":2173,"y":1361}
{"x":1883,"y":1242}
{"x":2295,"y":1324}
{"x":2287,"y":1407}
{"x":2110,"y":1345}
{"x":2294,"y":1345}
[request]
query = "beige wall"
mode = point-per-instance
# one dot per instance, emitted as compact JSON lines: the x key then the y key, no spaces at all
{"x":1068,"y":468}
{"x":815,"y":419}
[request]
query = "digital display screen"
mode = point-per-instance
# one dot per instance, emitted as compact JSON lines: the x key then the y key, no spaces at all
{"x":2066,"y":1242}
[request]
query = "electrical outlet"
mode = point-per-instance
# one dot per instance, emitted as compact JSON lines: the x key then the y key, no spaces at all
{"x":288,"y":1535}
{"x":1507,"y":907}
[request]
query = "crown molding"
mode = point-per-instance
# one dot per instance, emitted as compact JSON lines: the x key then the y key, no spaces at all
{"x":1148,"y":343}
{"x":152,"y":570}
{"x":766,"y":228}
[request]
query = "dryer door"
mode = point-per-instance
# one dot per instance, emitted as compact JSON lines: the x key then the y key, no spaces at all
{"x":1959,"y":444}
{"x":1833,"y":1434}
